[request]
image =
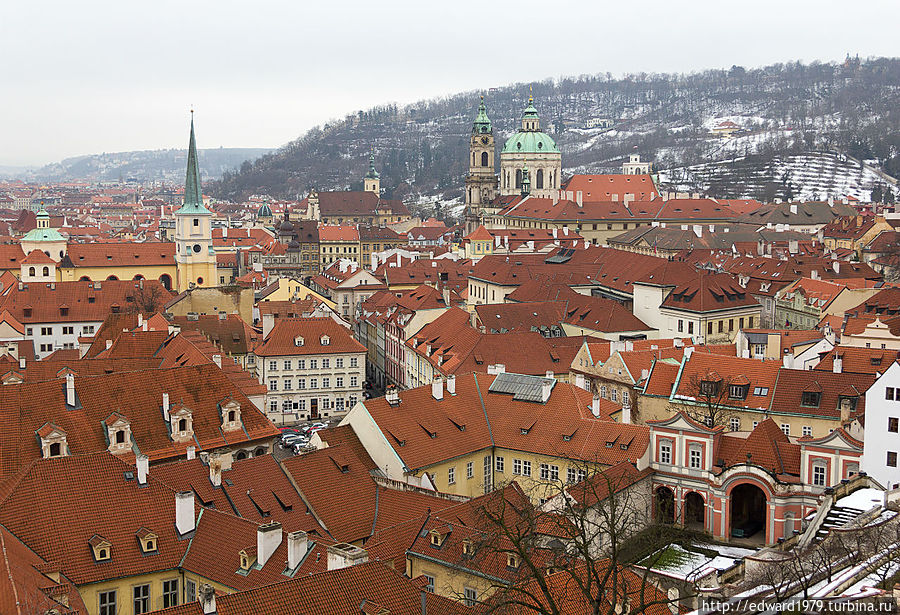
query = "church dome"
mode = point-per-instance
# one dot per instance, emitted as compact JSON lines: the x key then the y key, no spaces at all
{"x":264,"y":211}
{"x":294,"y":245}
{"x":530,"y":142}
{"x":286,"y":226}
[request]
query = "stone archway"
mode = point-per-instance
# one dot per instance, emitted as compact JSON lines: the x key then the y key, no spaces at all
{"x":694,"y":511}
{"x":748,"y":512}
{"x":665,"y":505}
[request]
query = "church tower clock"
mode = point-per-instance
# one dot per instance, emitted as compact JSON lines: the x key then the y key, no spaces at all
{"x":481,"y":181}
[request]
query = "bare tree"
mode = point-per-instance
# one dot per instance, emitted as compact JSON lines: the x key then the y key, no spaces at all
{"x":711,"y":393}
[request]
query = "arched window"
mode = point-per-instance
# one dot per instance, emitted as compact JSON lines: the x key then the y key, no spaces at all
{"x":46,"y":271}
{"x":138,"y":277}
{"x":55,"y":449}
{"x":241,"y":455}
{"x":539,"y":182}
{"x":120,"y":436}
{"x":484,"y":159}
{"x":182,"y":425}
{"x":111,"y":277}
{"x":31,"y":271}
{"x":231,"y":416}
{"x":84,"y":278}
{"x":518,"y":178}
{"x":166,"y":280}
{"x":473,"y":159}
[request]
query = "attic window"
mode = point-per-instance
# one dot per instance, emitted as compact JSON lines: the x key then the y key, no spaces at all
{"x":738,"y":391}
{"x":512,"y":561}
{"x":810,"y":399}
{"x":761,"y":391}
{"x":709,"y":387}
{"x":468,"y":548}
{"x":27,"y":312}
{"x":437,"y":539}
{"x":298,"y":341}
{"x":325,"y":340}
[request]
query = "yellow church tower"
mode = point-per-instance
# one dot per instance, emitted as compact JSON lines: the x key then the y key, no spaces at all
{"x":194,"y":256}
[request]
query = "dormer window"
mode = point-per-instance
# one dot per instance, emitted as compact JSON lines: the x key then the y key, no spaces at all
{"x":101,"y":548}
{"x":55,"y":449}
{"x":325,"y":340}
{"x":298,"y":341}
{"x":738,"y":391}
{"x":53,"y":441}
{"x":512,"y":561}
{"x":231,"y":414}
{"x":247,"y":559}
{"x":149,"y":541}
{"x":709,"y":387}
{"x":811,"y":399}
{"x":437,"y":539}
{"x":118,"y":432}
{"x":182,"y":421}
{"x":468,"y":547}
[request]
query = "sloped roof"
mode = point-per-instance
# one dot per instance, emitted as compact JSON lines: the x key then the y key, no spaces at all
{"x":281,"y":339}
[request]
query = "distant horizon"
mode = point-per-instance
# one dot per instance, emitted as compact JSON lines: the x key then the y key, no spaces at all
{"x":259,"y":76}
{"x":35,"y":166}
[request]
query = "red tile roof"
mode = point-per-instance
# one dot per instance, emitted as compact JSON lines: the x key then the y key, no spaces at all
{"x":118,"y":254}
{"x":858,"y":360}
{"x":792,"y":383}
{"x":424,"y":431}
{"x":602,"y":187}
{"x":338,"y":233}
{"x":282,"y":338}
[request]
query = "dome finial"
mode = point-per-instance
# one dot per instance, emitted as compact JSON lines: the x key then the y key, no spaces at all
{"x":530,"y":95}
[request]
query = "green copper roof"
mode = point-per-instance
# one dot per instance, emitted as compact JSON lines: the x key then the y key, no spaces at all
{"x":193,"y":195}
{"x":372,"y":174}
{"x":43,"y":234}
{"x":530,"y":142}
{"x":264,"y":211}
{"x":526,"y":182}
{"x":530,"y":111}
{"x":482,"y":123}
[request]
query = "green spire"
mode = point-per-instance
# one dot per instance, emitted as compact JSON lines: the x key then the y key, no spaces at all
{"x":482,"y":123}
{"x":372,"y":174}
{"x":193,"y":195}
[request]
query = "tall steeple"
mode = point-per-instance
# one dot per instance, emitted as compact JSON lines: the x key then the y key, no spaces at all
{"x":193,"y":194}
{"x":482,"y":124}
{"x":372,"y":182}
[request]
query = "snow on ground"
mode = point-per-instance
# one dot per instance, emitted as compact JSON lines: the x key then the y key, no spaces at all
{"x":682,"y":563}
{"x":872,"y":579}
{"x":862,"y":499}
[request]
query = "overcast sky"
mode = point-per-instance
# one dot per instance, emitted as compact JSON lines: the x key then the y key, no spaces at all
{"x":104,"y":76}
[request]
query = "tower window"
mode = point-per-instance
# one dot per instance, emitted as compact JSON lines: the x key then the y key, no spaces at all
{"x":196,"y":221}
{"x":518,"y":178}
{"x":539,"y":183}
{"x":484,"y":159}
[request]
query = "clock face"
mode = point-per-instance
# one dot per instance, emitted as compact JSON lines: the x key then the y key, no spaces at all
{"x":485,"y":140}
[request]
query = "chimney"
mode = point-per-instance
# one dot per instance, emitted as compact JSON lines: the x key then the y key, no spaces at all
{"x":207,"y":596}
{"x":836,"y":265}
{"x":70,"y":390}
{"x":446,"y":296}
{"x":140,"y":319}
{"x":688,"y":351}
{"x":838,"y":365}
{"x":297,"y":544}
{"x":579,"y":380}
{"x":108,"y":344}
{"x":144,"y":326}
{"x":392,"y":395}
{"x":451,"y":384}
{"x":268,"y":539}
{"x":579,"y":198}
{"x":143,"y":467}
{"x":698,"y":230}
{"x":595,"y":406}
{"x":165,"y":407}
{"x":549,"y":373}
{"x":814,"y":275}
{"x":546,"y":389}
{"x":626,"y":413}
{"x":191,"y":452}
{"x":184,"y":512}
{"x":788,"y":360}
{"x":794,"y":208}
{"x":343,"y":555}
{"x":437,"y":388}
{"x":21,"y":362}
{"x":217,"y":359}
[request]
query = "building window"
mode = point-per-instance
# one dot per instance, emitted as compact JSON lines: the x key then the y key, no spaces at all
{"x":892,"y":424}
{"x":810,"y":399}
{"x":313,"y":364}
{"x":470,"y":596}
{"x":545,"y":471}
{"x":326,"y":382}
{"x":46,"y":330}
{"x":353,"y":362}
{"x":761,"y":391}
{"x":665,"y":451}
{"x":526,"y":468}
{"x":108,"y":603}
{"x":571,"y":475}
{"x":709,"y":387}
{"x":301,"y":364}
{"x":735,"y":424}
{"x":680,"y":326}
{"x":301,"y":383}
{"x":273,"y":366}
{"x":451,"y":476}
{"x":429,"y":583}
{"x":354,"y":381}
{"x":141,"y":595}
{"x":498,"y":464}
{"x":890,"y":393}
{"x":190,"y":590}
{"x":470,"y":470}
{"x":892,"y":459}
{"x":287,"y":366}
{"x":170,"y":593}
{"x":695,"y":458}
{"x":339,"y":363}
{"x":339,"y":382}
{"x":614,"y":395}
{"x":806,"y":430}
{"x":288,"y":384}
{"x":273,"y":406}
{"x":313,"y":383}
{"x":273,"y":385}
{"x":786,"y":428}
{"x":326,"y":363}
{"x":738,"y":391}
{"x":819,"y":474}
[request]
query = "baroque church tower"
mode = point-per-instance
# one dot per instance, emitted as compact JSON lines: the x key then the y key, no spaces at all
{"x":195,"y":259}
{"x":481,"y":181}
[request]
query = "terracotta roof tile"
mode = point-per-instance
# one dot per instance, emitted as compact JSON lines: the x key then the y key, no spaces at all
{"x":282,"y":338}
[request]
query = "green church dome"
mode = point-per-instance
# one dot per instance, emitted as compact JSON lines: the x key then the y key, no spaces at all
{"x":264,"y":211}
{"x":530,"y":142}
